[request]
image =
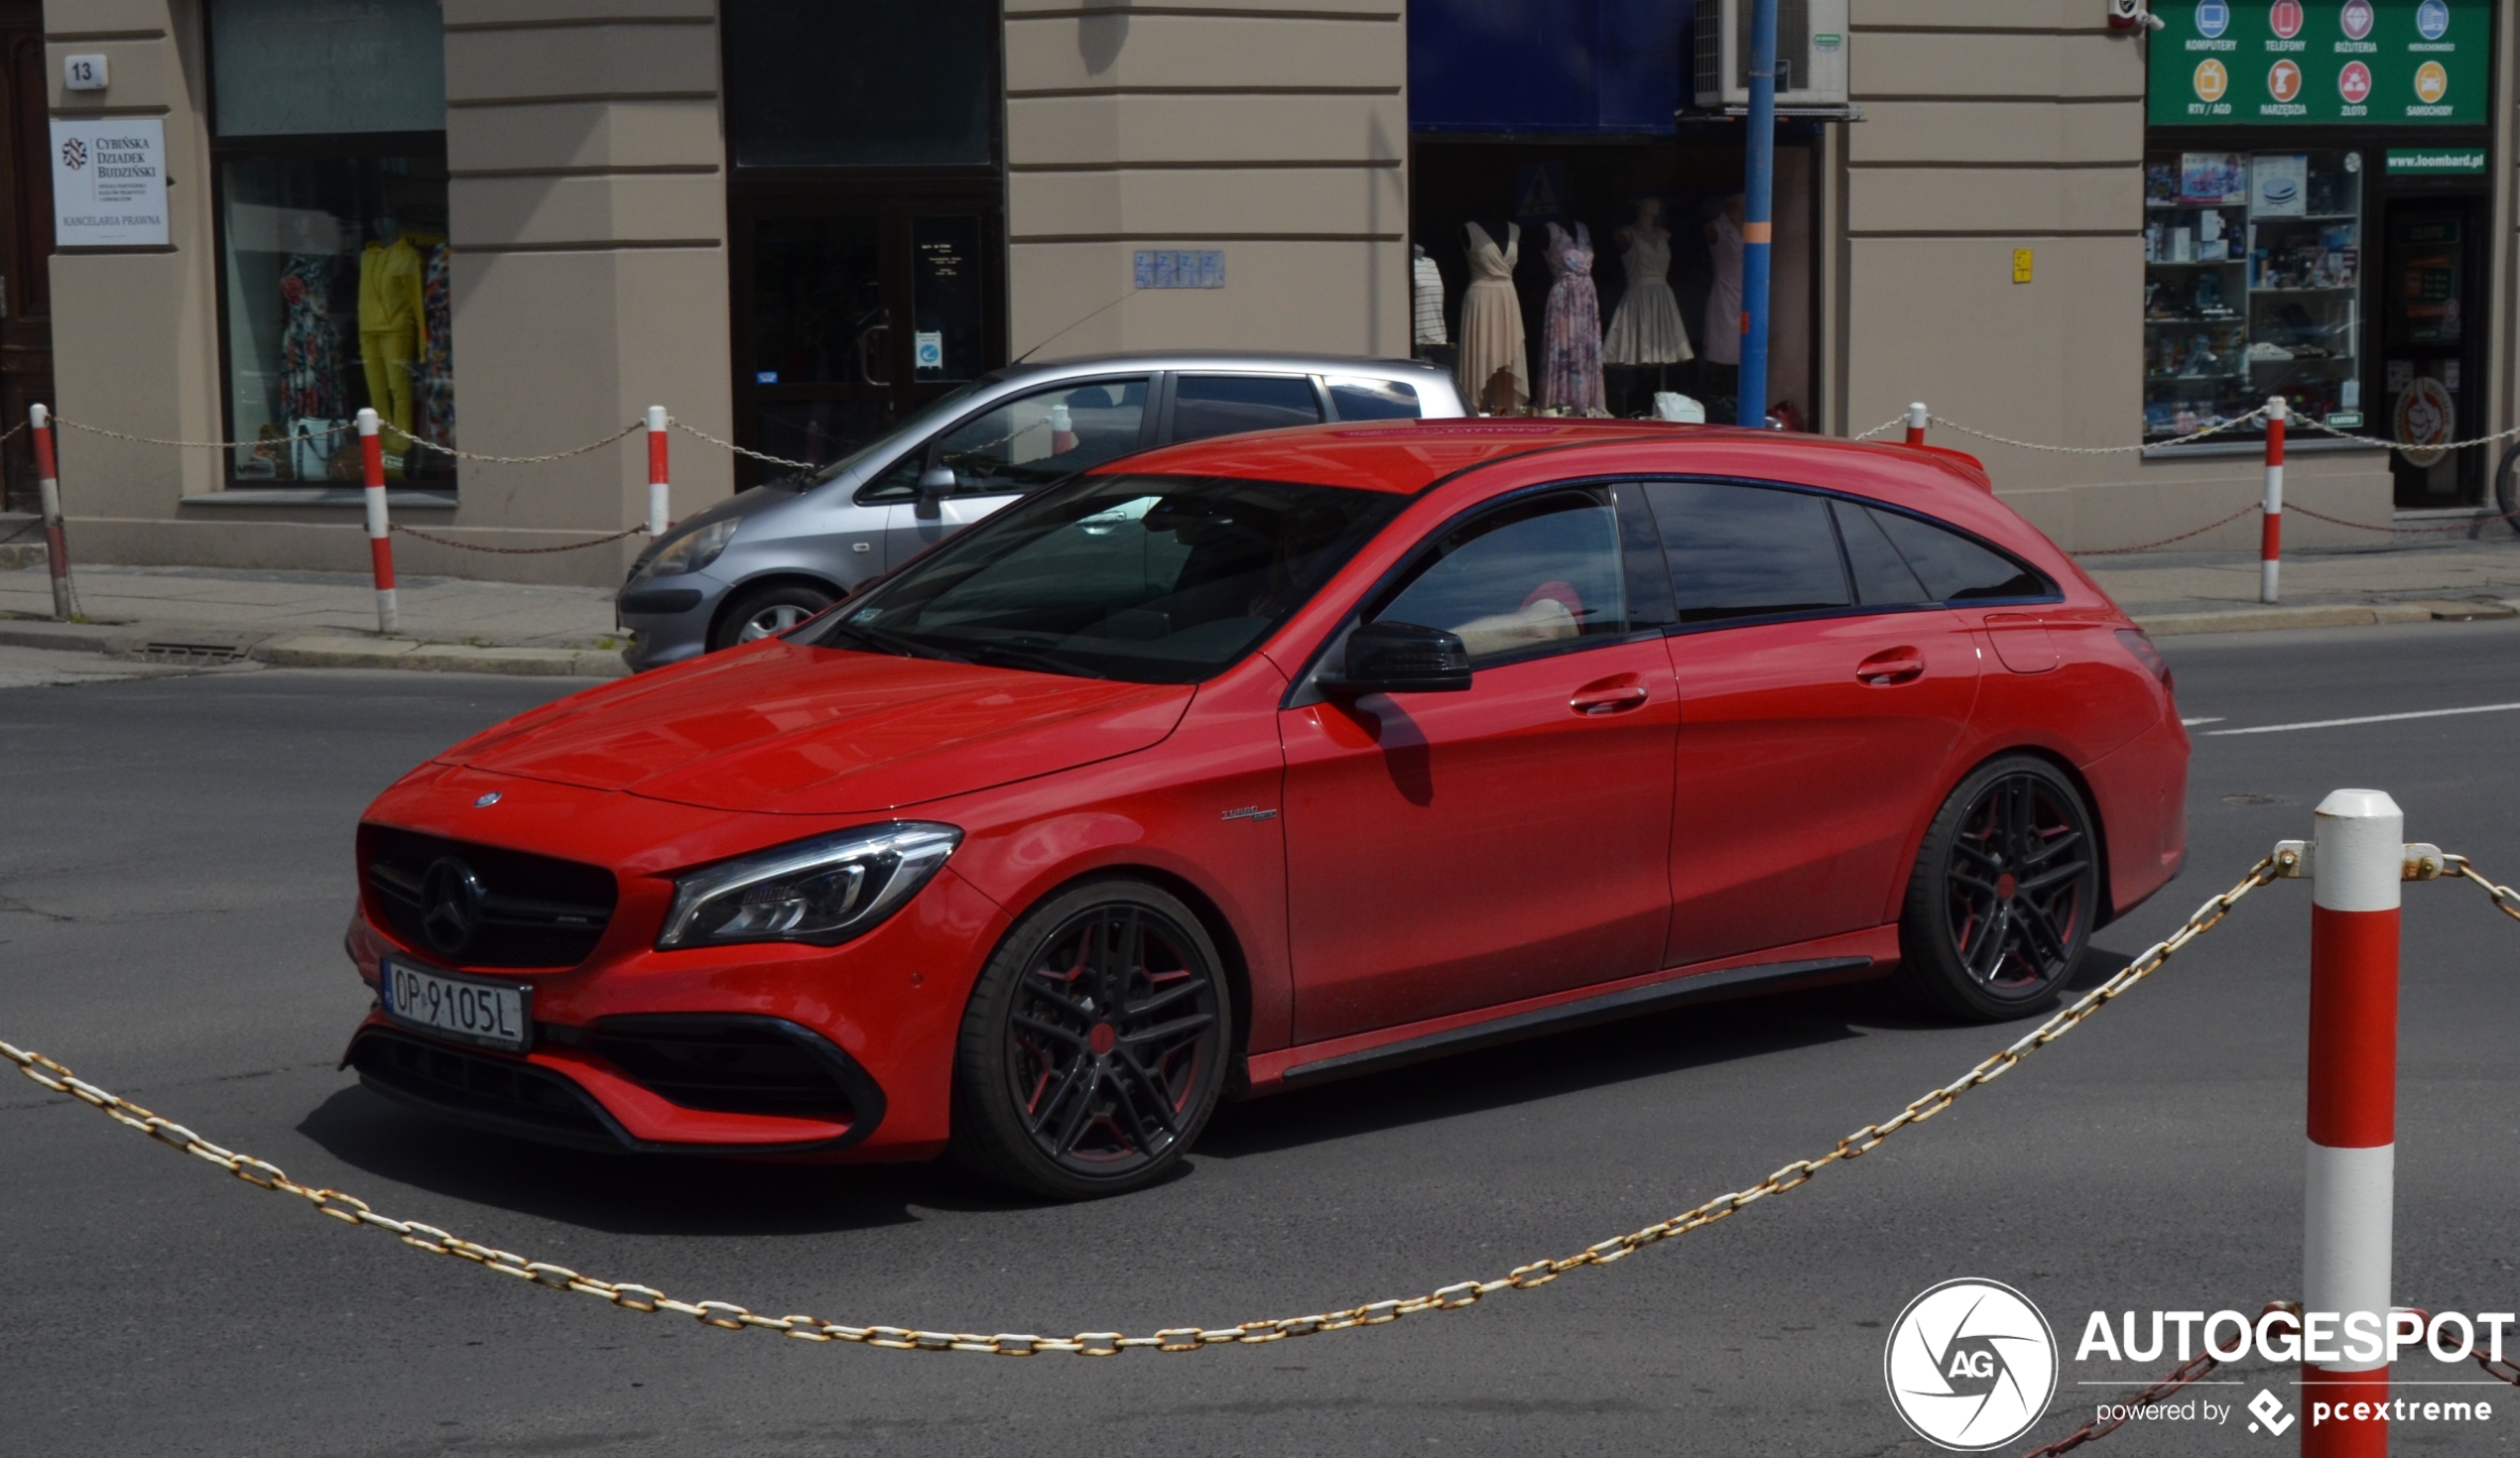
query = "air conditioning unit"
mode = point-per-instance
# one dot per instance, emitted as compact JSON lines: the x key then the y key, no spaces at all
{"x":1810,"y":54}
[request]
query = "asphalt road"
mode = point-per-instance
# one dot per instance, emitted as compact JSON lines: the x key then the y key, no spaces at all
{"x":175,"y":874}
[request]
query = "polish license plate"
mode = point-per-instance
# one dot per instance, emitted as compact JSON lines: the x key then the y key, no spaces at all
{"x":494,"y":1014}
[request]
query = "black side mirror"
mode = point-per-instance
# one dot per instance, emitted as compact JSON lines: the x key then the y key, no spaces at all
{"x":934,"y":484}
{"x":1401,"y":658}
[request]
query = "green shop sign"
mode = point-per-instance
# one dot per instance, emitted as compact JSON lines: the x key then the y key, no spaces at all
{"x":2289,"y":62}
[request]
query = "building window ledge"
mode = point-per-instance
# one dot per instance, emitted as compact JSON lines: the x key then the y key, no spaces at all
{"x":352,"y":497}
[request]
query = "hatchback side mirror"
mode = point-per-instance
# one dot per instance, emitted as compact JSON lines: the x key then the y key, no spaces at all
{"x":1401,"y":658}
{"x":934,"y":484}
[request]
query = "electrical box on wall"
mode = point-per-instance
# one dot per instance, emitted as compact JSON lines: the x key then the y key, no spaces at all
{"x":1810,"y":54}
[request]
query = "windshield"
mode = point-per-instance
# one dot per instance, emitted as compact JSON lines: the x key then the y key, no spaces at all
{"x":916,"y":428}
{"x":1152,"y":579}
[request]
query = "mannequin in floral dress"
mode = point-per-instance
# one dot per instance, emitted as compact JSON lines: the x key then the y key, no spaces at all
{"x":1571,"y":377}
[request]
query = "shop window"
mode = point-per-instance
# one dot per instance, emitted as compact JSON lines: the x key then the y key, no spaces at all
{"x":2252,"y":285}
{"x":329,"y":162}
{"x":872,"y":84}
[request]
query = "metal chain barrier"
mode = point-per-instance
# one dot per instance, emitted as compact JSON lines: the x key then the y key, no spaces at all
{"x":187,"y":444}
{"x":2218,"y":428}
{"x":2444,"y":445}
{"x":2182,"y":537}
{"x":697,"y":434}
{"x":2506,"y":899}
{"x":399,"y":528}
{"x":728,"y":1316}
{"x":514,"y":460}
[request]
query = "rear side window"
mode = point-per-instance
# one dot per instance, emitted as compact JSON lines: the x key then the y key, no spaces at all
{"x":1374,"y":400}
{"x":1742,"y":551}
{"x":1883,"y":578}
{"x":1952,"y":567}
{"x":1228,"y":405}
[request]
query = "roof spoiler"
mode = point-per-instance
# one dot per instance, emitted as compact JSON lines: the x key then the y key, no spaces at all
{"x":1962,"y":464}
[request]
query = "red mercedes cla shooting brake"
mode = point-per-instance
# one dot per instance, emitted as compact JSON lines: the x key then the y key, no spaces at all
{"x":1235,"y":767}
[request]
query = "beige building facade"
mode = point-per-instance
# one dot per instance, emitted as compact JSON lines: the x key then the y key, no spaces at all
{"x":512,"y":225}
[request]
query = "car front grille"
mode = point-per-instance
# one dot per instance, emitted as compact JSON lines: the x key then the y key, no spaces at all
{"x":484,"y":906}
{"x":486,"y":1092}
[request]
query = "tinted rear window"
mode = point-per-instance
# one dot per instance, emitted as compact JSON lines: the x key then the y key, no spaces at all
{"x":1883,"y":578}
{"x":1375,"y":399}
{"x":1952,"y":567}
{"x":1228,"y":405}
{"x":1738,"y":552}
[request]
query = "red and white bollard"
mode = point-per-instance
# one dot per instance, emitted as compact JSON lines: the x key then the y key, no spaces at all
{"x":48,"y":489}
{"x":380,"y":531}
{"x":658,"y":490}
{"x":2270,"y":539}
{"x":1915,"y":423}
{"x":2358,"y":864}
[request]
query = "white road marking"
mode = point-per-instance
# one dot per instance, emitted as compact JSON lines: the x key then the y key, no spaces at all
{"x":2482,"y":708}
{"x":2193,"y":723}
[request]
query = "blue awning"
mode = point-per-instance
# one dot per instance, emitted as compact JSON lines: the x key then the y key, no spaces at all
{"x":1547,"y":65}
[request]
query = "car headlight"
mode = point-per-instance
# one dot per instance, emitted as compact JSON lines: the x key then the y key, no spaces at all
{"x":693,"y":550}
{"x":823,"y":891}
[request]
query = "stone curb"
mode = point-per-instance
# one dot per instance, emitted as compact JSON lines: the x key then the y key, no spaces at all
{"x":312,"y":650}
{"x":332,"y":651}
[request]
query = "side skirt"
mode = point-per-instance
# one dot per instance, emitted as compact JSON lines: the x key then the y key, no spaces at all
{"x":1841,"y":959}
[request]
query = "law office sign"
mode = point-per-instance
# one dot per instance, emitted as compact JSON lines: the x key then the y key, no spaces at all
{"x":2279,"y":62}
{"x":109,"y":183}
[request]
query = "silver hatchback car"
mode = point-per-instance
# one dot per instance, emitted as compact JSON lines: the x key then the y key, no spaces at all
{"x":767,"y":558}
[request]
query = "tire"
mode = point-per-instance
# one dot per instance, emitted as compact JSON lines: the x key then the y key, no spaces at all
{"x":2507,"y":489}
{"x":766,"y":610}
{"x":2006,"y":888}
{"x":1055,"y":1096}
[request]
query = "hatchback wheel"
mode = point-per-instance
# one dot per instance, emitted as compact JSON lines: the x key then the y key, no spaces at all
{"x":765,"y":611}
{"x":2005,"y":889}
{"x":1094,"y":1047}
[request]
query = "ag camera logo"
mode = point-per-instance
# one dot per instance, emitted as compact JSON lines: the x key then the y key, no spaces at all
{"x":1971,"y":1365}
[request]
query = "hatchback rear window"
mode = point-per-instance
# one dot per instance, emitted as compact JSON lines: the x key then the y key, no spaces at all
{"x":1955,"y":569}
{"x":1375,"y":399}
{"x":1228,"y":405}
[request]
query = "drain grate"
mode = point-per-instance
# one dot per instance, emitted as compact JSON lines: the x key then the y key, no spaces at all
{"x":190,"y":653}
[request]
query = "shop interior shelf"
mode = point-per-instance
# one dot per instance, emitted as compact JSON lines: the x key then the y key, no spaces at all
{"x":2194,"y":263}
{"x":2322,"y":288}
{"x":2166,"y":379}
{"x":2192,"y":319}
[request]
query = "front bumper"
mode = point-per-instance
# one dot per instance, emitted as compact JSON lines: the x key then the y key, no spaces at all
{"x":880,"y":1013}
{"x":667,"y":618}
{"x":574,"y":1095}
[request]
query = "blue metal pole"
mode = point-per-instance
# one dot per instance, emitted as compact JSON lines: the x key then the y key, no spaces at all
{"x":1758,"y":206}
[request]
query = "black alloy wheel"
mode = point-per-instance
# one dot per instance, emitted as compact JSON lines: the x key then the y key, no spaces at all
{"x":765,"y":611}
{"x":1095,"y":1044}
{"x":2005,"y":892}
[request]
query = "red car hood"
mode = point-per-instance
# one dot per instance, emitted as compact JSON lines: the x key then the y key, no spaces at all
{"x":815,"y":731}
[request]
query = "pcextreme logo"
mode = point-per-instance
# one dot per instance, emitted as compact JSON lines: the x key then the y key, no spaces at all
{"x":1971,"y":1365}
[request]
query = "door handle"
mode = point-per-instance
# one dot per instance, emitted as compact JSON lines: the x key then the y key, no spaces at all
{"x":1891,"y":666}
{"x":1610,"y":697}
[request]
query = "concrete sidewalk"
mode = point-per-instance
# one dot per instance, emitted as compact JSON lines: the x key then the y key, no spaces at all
{"x":203,"y":615}
{"x":2216,"y":592}
{"x":315,"y":620}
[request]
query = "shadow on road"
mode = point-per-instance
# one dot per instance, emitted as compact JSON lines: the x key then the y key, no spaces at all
{"x":665,"y":1195}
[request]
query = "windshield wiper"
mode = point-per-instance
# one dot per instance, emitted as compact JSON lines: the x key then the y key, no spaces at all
{"x":894,"y":643}
{"x":1017,"y":657}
